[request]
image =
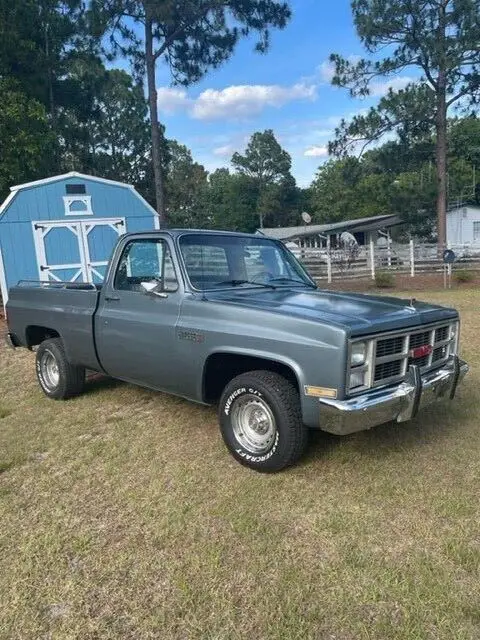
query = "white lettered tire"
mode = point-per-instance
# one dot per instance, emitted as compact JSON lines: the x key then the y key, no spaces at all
{"x":261,"y":422}
{"x":58,"y":378}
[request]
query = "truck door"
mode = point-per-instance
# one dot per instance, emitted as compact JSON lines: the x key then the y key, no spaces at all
{"x":138,"y":312}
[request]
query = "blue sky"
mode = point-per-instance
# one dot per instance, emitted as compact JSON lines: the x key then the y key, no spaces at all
{"x":286,"y":90}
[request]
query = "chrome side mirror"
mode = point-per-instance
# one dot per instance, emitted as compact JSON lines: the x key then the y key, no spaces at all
{"x":151,"y":288}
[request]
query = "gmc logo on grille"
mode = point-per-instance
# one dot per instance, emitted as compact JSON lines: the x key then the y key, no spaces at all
{"x":421,"y":352}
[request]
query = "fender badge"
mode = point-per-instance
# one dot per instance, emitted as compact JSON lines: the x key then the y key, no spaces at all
{"x":191,"y":336}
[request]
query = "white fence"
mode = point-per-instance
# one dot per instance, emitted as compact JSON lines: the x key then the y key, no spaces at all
{"x":366,"y":261}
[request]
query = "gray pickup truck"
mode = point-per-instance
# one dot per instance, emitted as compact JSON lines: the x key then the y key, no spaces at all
{"x":234,"y":320}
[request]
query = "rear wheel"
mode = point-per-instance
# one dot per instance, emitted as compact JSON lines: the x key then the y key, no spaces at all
{"x":58,"y":378}
{"x":261,"y":421}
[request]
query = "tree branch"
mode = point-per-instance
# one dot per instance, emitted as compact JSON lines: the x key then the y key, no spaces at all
{"x":169,"y":40}
{"x":459,"y":95}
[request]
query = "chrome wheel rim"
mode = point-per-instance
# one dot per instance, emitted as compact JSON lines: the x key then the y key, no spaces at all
{"x":49,"y":370}
{"x":253,"y":424}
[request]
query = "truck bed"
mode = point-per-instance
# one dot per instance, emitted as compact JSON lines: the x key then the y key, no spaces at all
{"x":56,"y":308}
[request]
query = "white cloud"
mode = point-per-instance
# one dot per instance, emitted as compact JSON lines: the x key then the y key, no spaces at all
{"x":172,"y":99}
{"x":242,"y":101}
{"x":226,"y":150}
{"x":316,"y":152}
{"x":380,"y":89}
{"x":326,"y":71}
{"x":233,"y":103}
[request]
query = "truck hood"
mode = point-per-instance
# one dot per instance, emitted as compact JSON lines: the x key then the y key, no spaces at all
{"x":359,"y":314}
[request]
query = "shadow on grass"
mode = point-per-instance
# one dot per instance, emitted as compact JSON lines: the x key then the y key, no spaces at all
{"x":440,"y":421}
{"x":96,"y":383}
{"x":432,"y":424}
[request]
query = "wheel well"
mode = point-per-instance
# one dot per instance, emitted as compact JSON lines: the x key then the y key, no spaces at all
{"x":35,"y":335}
{"x":220,"y":368}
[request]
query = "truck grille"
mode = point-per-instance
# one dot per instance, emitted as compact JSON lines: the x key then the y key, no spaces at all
{"x":390,"y":346}
{"x":388,"y":370}
{"x":420,"y":339}
{"x":392,"y":354}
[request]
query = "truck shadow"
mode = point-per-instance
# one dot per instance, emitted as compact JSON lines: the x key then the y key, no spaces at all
{"x":437,"y":423}
{"x":440,"y":421}
{"x":97,"y":382}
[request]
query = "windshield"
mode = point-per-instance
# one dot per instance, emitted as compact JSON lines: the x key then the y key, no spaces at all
{"x":220,"y":261}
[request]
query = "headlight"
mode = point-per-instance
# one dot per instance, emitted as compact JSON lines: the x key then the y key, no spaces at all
{"x":357,"y":379}
{"x":358,"y":354}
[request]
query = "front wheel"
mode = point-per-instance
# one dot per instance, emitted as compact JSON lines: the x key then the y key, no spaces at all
{"x":58,"y":378}
{"x":261,"y":421}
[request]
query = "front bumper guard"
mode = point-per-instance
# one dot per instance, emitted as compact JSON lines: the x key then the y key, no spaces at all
{"x":400,"y":403}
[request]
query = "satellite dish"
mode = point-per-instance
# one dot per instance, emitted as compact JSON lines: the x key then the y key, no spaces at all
{"x":306,"y":217}
{"x":449,"y":256}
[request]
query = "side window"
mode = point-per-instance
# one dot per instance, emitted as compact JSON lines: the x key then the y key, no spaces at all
{"x":148,"y":261}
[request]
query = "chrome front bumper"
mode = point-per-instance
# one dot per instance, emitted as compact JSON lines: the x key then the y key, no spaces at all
{"x":401,"y":402}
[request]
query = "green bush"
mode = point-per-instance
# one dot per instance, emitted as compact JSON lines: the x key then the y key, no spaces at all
{"x":463,"y":275}
{"x":384,"y":279}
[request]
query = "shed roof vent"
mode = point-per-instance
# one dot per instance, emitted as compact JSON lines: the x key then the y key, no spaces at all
{"x":75,"y":189}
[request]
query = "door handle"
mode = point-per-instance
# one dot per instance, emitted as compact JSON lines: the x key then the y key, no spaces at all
{"x":112,"y":298}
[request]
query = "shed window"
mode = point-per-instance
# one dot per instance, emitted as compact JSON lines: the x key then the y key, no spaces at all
{"x":75,"y":189}
{"x":78,"y":205}
{"x":476,"y":230}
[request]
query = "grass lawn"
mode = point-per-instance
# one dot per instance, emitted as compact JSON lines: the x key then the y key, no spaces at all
{"x":123,"y":516}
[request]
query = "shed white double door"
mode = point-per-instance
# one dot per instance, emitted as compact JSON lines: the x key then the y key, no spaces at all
{"x":75,"y":250}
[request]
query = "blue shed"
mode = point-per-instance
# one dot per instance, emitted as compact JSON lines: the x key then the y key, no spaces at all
{"x":64,"y":228}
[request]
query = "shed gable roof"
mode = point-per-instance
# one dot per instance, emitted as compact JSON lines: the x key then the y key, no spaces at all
{"x":64,"y":176}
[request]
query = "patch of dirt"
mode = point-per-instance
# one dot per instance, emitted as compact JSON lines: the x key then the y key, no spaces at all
{"x":58,"y":610}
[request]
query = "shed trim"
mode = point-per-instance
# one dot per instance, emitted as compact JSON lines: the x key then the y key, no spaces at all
{"x":7,"y":201}
{"x":65,"y":176}
{"x":3,"y":280}
{"x":86,"y":263}
{"x":86,"y":200}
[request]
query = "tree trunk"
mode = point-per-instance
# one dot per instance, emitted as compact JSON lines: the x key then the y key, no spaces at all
{"x":155,"y":127}
{"x":441,"y":151}
{"x":51,"y":98}
{"x":441,"y":130}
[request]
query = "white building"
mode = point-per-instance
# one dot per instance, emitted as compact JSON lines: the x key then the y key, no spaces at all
{"x":463,"y":227}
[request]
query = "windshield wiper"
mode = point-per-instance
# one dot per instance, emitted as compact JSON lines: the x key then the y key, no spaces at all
{"x":296,"y":281}
{"x":238,"y":283}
